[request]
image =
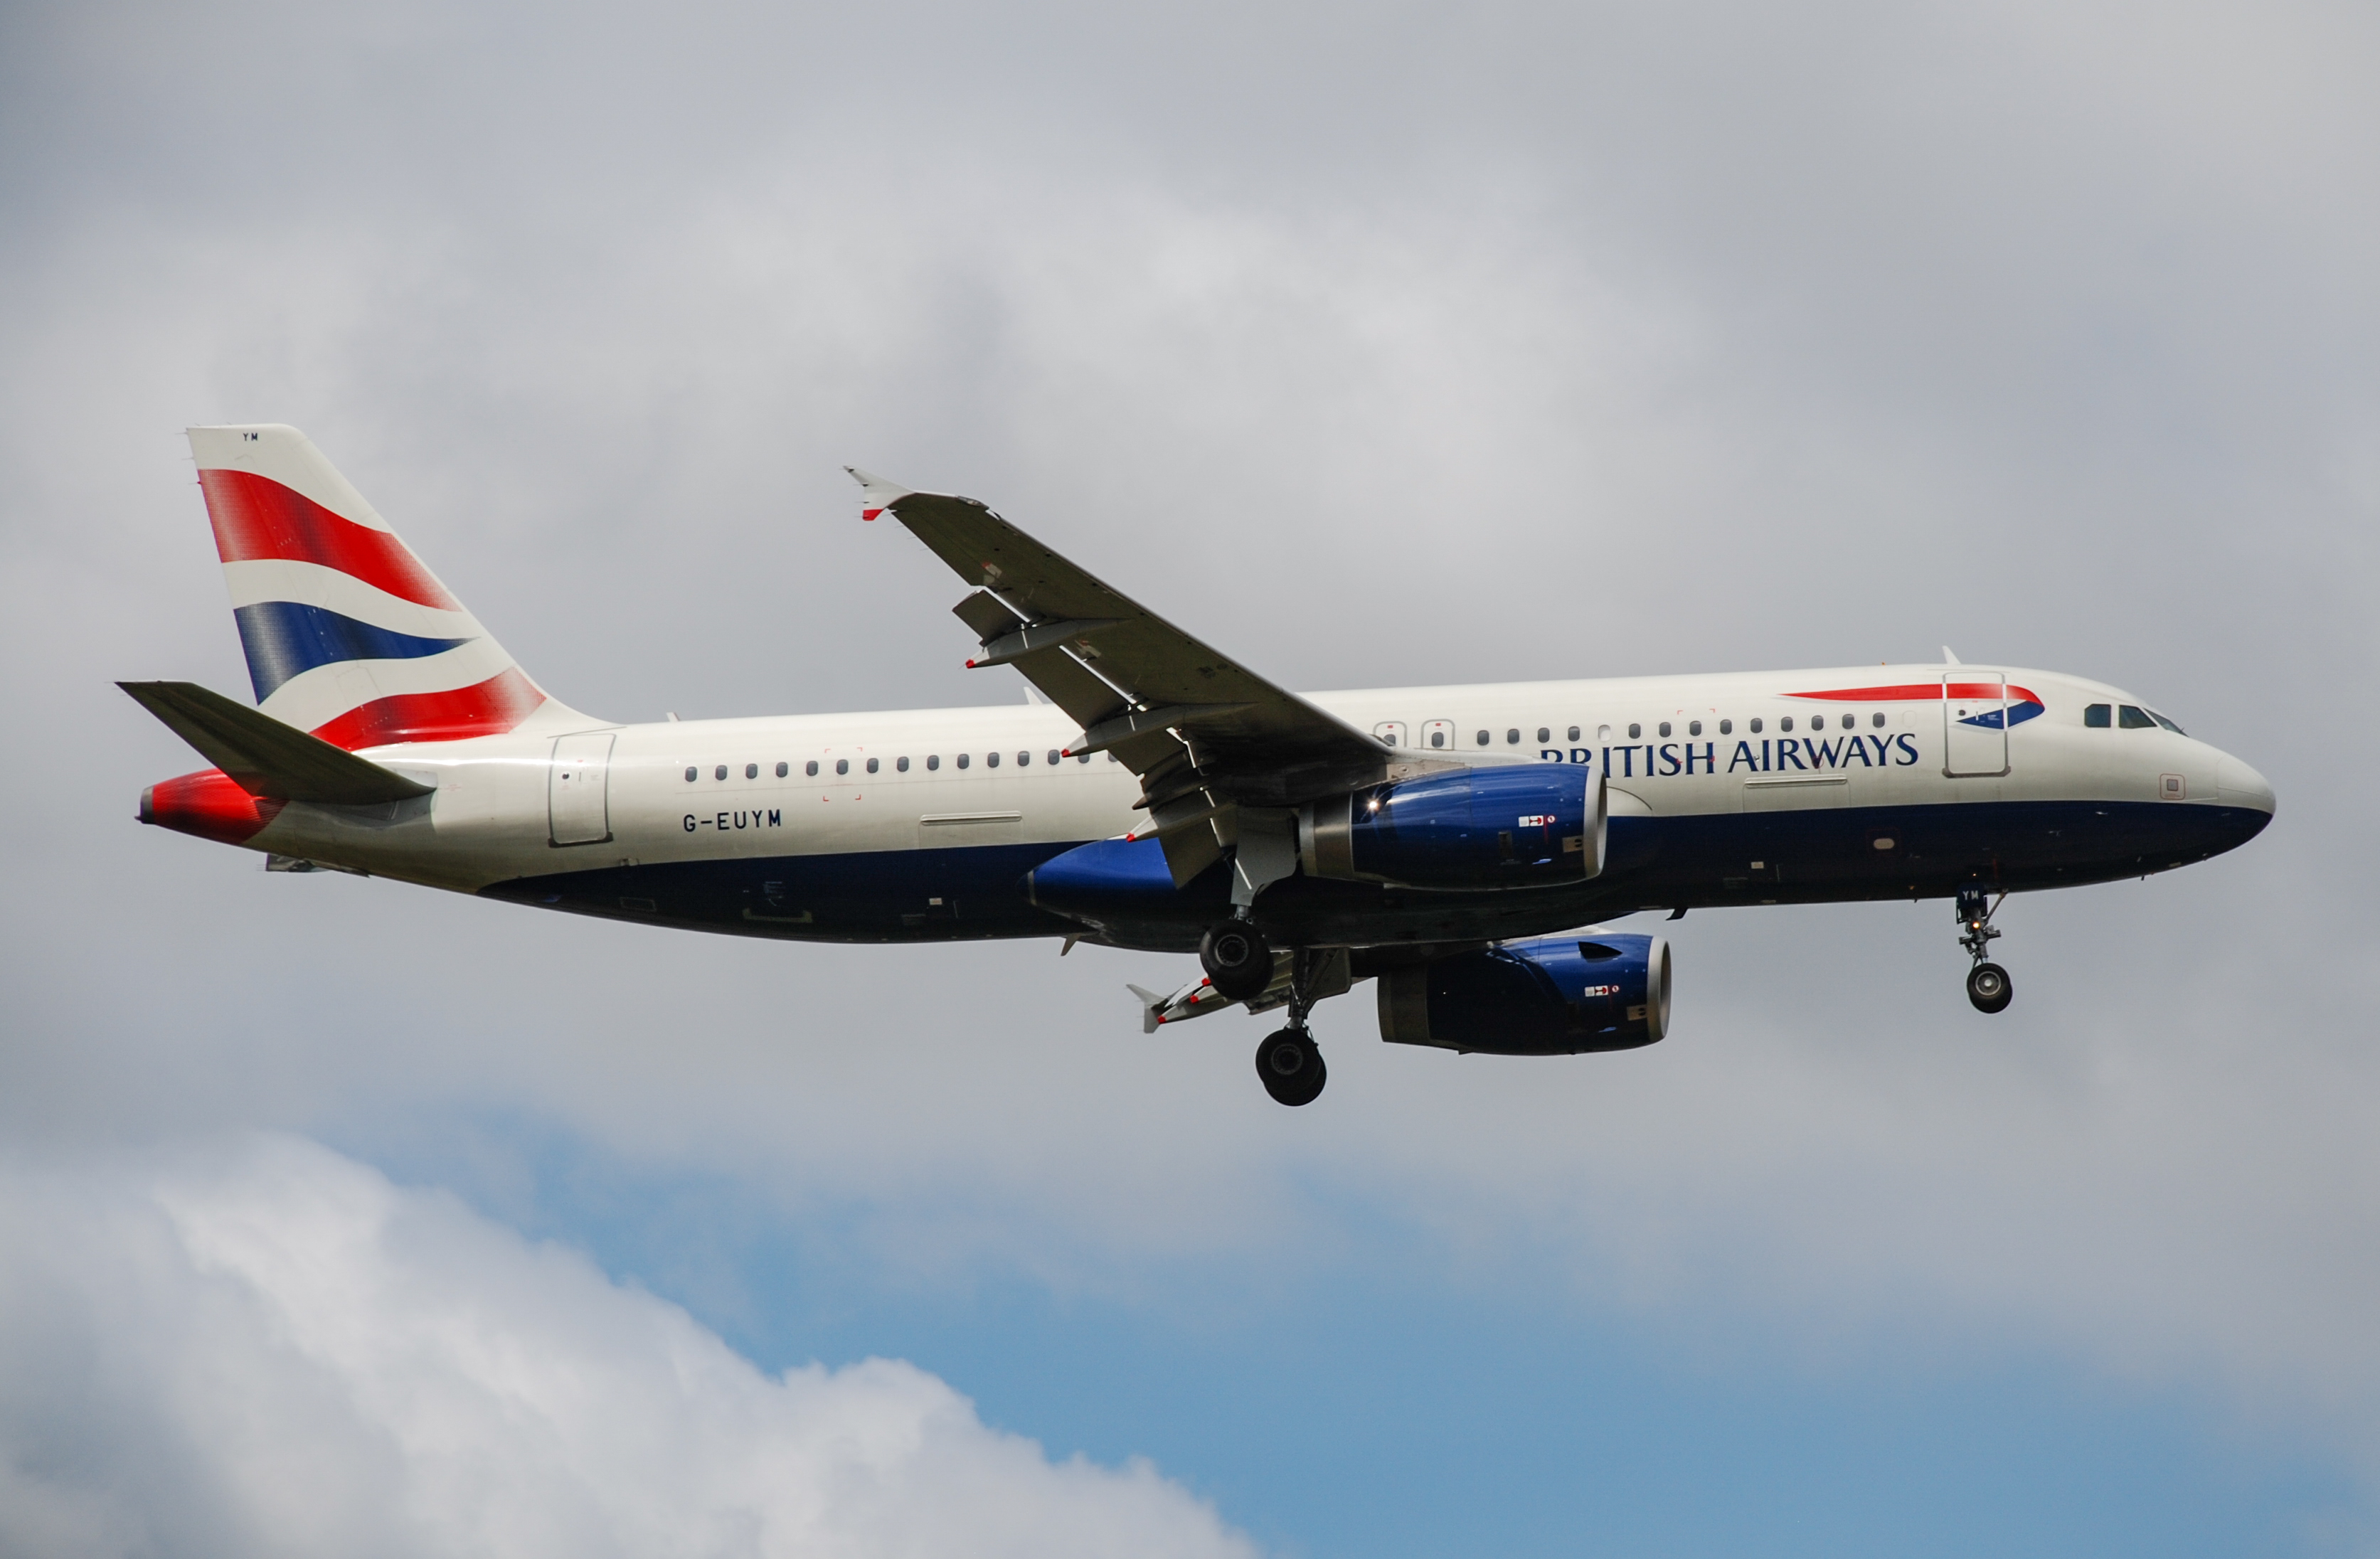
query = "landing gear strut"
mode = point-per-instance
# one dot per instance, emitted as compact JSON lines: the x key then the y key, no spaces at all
{"x":1289,"y":1062}
{"x":1987,"y":983}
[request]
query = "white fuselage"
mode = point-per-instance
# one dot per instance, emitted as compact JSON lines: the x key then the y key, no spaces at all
{"x":879,"y":782}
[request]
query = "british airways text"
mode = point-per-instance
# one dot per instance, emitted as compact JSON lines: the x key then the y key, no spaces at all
{"x":1772,"y":756}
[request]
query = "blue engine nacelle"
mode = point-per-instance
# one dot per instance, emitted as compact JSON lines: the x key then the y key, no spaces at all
{"x":1550,"y":995}
{"x":1528,"y":825}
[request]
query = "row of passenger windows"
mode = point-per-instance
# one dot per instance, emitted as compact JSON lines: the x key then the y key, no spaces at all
{"x":900,"y":766}
{"x":1666,"y":728}
{"x":2130,"y":717}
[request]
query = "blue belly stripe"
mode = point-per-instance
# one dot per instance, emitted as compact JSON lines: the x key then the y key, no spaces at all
{"x":283,"y":638}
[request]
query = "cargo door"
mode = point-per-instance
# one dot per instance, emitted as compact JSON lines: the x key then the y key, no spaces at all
{"x":576,"y":808}
{"x":1975,"y":724}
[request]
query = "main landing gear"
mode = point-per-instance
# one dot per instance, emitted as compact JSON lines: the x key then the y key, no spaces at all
{"x":1987,"y":983}
{"x":1239,"y":964}
{"x":1290,"y":1065}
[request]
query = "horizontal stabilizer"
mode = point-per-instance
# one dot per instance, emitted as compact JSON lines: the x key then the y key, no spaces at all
{"x":264,"y":756}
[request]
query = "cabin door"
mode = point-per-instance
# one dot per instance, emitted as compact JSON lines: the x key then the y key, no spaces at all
{"x":1975,"y":724}
{"x":577,"y":808}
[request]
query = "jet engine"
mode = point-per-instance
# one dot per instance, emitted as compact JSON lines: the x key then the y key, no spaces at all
{"x":1550,"y":996}
{"x":1528,"y":825}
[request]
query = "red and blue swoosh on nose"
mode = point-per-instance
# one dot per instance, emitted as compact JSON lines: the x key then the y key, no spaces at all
{"x":2022,"y":702}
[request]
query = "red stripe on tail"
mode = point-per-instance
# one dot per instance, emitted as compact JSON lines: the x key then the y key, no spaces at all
{"x":488,"y":708}
{"x":257,"y":518}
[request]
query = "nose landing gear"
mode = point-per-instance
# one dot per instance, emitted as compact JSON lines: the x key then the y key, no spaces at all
{"x":1987,"y":983}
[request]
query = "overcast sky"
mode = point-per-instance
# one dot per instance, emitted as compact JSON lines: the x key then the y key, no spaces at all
{"x":1379,"y":344}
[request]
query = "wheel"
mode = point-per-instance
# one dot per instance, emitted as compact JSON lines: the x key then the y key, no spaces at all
{"x":1237,"y":962}
{"x":1292,"y":1068}
{"x":1988,"y":988}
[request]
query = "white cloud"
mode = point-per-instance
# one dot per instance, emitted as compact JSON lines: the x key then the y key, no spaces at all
{"x":269,"y":1348}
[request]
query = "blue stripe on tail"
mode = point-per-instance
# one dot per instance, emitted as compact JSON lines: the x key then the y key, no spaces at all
{"x":283,"y":639}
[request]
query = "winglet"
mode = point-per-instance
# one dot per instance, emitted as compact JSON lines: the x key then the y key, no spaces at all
{"x":1152,"y":1008}
{"x":1949,"y":657}
{"x":876,"y":494}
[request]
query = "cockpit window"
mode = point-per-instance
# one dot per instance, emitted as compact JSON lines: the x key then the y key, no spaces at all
{"x":2132,"y":717}
{"x":2095,"y":715}
{"x":2167,"y":723}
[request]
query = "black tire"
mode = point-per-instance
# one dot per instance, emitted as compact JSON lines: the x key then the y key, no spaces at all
{"x":1237,"y":961}
{"x":1290,"y":1067}
{"x":1989,"y":987}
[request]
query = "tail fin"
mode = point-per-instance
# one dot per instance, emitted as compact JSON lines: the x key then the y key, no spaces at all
{"x":347,"y":635}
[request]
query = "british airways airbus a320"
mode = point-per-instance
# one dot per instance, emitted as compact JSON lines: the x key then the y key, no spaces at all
{"x":1445,"y":841}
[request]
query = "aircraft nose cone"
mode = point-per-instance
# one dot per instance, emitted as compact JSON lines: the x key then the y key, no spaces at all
{"x":2237,"y":785}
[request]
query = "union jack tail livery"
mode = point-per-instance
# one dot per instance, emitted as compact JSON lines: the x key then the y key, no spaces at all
{"x":347,"y":635}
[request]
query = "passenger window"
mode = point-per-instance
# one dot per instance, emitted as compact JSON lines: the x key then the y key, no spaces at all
{"x":721,"y":773}
{"x":689,"y":777}
{"x":1755,"y":725}
{"x":1785,"y":724}
{"x":991,"y":760}
{"x":810,"y":768}
{"x":1024,"y":760}
{"x":2095,"y":715}
{"x":1438,"y":739}
{"x":1483,"y":738}
{"x":1544,"y":734}
{"x":2167,"y":723}
{"x":2132,"y":719}
{"x":1664,"y":728}
{"x":1574,"y":733}
{"x":871,"y":766}
{"x":902,"y":765}
{"x":1512,"y":737}
{"x":751,"y":771}
{"x":1634,"y":731}
{"x":780,"y":770}
{"x":1054,"y":757}
{"x":963,"y":760}
{"x":933,"y":761}
{"x":842,"y":766}
{"x":1694,"y":728}
{"x":1081,"y":758}
{"x":1877,"y":718}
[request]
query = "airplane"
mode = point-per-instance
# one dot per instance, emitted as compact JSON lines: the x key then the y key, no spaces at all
{"x":1466,"y":848}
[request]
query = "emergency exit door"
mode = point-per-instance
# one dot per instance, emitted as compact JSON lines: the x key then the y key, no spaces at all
{"x":576,"y":808}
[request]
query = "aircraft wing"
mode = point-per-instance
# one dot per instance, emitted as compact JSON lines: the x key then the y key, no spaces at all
{"x":1207,"y":736}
